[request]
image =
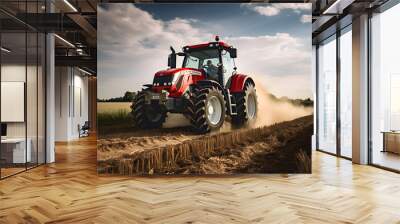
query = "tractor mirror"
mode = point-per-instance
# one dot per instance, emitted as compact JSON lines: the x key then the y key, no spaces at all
{"x":233,"y":52}
{"x":172,"y":60}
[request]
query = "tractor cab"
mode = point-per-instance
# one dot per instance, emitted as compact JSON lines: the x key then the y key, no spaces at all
{"x":214,"y":59}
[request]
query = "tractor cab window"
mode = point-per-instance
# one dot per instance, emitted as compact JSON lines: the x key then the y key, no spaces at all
{"x":228,"y":65}
{"x":192,"y":62}
{"x":210,"y":65}
{"x":207,"y":59}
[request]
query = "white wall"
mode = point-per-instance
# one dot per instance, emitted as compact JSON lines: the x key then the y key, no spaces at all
{"x":14,"y":73}
{"x":33,"y":126}
{"x":13,"y":101}
{"x":80,"y":111}
{"x":71,"y":102}
{"x":62,"y":82}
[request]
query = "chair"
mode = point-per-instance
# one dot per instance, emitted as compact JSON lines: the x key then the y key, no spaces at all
{"x":84,"y":130}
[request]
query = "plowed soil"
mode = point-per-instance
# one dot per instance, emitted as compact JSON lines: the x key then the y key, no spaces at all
{"x":280,"y":148}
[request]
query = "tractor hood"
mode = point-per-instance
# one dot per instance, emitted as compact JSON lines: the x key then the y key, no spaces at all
{"x":172,"y":71}
{"x":168,"y":79}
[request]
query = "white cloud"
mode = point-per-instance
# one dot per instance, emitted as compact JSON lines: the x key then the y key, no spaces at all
{"x":306,"y":18}
{"x":133,"y":45}
{"x":294,"y":6}
{"x":267,"y":11}
{"x":281,"y":61}
{"x":275,"y":9}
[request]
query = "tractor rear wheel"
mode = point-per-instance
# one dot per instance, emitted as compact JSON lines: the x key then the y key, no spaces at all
{"x":147,"y":115}
{"x":206,"y":109}
{"x":247,"y":106}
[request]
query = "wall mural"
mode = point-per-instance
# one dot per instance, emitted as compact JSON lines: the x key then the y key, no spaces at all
{"x":204,"y":89}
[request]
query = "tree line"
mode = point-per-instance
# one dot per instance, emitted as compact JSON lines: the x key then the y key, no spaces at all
{"x":299,"y":102}
{"x":128,"y":97}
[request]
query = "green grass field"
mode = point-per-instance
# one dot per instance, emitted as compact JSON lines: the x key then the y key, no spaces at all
{"x":113,"y":116}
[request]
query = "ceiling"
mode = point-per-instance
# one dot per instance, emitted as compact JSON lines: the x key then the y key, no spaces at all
{"x":332,"y":15}
{"x":75,"y":22}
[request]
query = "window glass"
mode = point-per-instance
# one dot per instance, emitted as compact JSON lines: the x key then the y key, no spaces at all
{"x":23,"y":90}
{"x":346,"y":93}
{"x":385,"y":89}
{"x":32,"y":94}
{"x":41,"y":79}
{"x":207,"y":58}
{"x":200,"y":57}
{"x":192,"y":62}
{"x":327,"y":95}
{"x":228,"y":65}
{"x":15,"y":149}
{"x":213,"y":61}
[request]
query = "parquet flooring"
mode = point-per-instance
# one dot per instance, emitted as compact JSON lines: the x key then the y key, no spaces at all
{"x":70,"y":191}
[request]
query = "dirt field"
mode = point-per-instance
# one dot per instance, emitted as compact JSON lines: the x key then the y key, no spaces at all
{"x":279,"y":148}
{"x":269,"y":145}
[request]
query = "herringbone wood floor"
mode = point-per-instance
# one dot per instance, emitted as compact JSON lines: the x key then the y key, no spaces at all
{"x":70,"y":191}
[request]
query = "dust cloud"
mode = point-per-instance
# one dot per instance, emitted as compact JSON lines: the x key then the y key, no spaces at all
{"x":270,"y":111}
{"x":176,"y":120}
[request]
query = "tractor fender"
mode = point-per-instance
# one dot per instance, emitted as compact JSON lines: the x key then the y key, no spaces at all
{"x":210,"y":83}
{"x":238,"y":81}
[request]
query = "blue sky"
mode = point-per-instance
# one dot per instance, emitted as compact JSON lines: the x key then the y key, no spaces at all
{"x":232,"y":19}
{"x":273,"y":41}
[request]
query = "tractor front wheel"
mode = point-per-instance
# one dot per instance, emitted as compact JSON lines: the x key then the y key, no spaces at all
{"x":207,"y":110}
{"x":147,"y":115}
{"x":247,"y":106}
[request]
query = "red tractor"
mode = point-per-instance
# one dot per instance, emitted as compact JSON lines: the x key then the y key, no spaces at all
{"x":205,"y":90}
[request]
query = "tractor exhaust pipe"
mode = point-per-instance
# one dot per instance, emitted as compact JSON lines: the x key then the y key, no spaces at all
{"x":172,"y":58}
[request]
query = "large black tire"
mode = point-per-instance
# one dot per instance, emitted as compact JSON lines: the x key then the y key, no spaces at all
{"x":202,"y":118}
{"x":246,"y":106}
{"x":147,"y":115}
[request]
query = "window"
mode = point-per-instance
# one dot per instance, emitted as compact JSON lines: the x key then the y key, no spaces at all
{"x":385,"y":89}
{"x":327,"y":95}
{"x":214,"y":61}
{"x":200,"y":57}
{"x":16,"y":150}
{"x":228,"y":64}
{"x":192,"y":62}
{"x":395,"y":102}
{"x":346,"y":92}
{"x":22,"y":75}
